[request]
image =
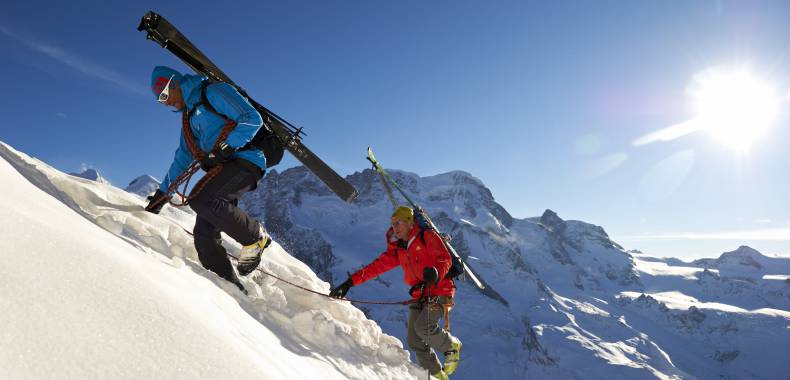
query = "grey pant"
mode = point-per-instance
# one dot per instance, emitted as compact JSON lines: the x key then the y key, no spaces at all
{"x":425,"y":333}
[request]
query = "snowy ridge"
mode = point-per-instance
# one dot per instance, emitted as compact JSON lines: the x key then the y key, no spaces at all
{"x":118,"y":293}
{"x":567,"y":301}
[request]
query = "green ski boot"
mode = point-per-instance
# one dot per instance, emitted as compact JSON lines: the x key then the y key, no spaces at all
{"x":452,"y":356}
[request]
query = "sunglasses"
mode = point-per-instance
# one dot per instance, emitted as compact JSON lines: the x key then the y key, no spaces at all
{"x":398,"y":222}
{"x":165,"y":91}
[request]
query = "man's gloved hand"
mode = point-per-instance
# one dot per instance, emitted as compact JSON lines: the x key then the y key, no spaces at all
{"x":218,"y":155}
{"x":341,"y":290}
{"x":156,"y":202}
{"x":430,"y":276}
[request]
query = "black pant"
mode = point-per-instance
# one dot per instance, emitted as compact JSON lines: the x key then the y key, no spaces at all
{"x":216,"y":208}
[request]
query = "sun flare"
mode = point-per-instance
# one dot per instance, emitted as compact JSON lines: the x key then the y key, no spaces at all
{"x":733,"y":106}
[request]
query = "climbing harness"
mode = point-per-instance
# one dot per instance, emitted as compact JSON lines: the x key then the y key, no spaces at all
{"x":444,"y":303}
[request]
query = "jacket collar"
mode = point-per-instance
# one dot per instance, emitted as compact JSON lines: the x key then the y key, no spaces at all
{"x":190,"y":88}
{"x":415,"y":230}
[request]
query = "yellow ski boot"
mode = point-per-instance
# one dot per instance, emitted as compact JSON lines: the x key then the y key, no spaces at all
{"x":452,"y":356}
{"x":250,"y":255}
{"x":440,"y":375}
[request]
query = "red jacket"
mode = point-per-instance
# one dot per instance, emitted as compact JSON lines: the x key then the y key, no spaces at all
{"x":413,"y":260}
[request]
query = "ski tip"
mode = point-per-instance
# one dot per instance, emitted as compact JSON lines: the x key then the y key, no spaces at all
{"x":372,"y":158}
{"x":149,"y":21}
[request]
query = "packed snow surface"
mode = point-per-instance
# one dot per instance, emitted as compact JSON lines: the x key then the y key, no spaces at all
{"x":93,"y":287}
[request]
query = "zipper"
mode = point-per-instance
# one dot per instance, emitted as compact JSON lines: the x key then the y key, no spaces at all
{"x":412,"y":263}
{"x":408,"y":258}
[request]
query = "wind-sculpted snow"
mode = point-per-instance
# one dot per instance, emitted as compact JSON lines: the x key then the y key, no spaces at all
{"x":95,"y":287}
{"x":561,"y":294}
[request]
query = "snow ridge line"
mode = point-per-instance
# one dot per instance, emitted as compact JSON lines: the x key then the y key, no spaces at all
{"x":405,"y":302}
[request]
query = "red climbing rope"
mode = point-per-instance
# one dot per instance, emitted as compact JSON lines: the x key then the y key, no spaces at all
{"x":407,"y":302}
{"x":197,"y":154}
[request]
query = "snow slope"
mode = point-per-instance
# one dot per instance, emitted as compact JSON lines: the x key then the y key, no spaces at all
{"x":563,"y":299}
{"x":93,"y":287}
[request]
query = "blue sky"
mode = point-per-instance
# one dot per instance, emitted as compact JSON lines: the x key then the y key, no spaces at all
{"x":541,"y":101}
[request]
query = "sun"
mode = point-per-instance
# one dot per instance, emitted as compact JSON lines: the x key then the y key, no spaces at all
{"x":733,"y":106}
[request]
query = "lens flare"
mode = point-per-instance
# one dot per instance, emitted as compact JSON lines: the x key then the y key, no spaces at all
{"x":733,"y":106}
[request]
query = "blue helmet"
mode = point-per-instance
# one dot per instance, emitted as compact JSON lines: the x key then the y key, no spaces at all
{"x":161,"y":76}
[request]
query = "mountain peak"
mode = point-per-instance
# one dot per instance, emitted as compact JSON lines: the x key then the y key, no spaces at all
{"x":744,"y":250}
{"x":459,"y":176}
{"x":550,"y":219}
{"x":744,"y":255}
{"x":90,"y":174}
{"x":143,"y":185}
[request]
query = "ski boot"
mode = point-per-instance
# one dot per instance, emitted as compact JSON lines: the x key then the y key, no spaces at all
{"x":452,"y":356}
{"x":440,"y":375}
{"x":250,"y":255}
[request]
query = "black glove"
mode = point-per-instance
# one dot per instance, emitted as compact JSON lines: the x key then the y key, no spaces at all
{"x":156,"y":202}
{"x":218,"y":155}
{"x":341,"y":290}
{"x":430,"y":276}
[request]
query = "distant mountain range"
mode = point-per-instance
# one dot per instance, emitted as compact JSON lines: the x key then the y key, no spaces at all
{"x":563,"y":300}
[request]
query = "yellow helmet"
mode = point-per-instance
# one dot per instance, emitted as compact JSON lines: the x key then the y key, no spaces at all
{"x":404,"y":213}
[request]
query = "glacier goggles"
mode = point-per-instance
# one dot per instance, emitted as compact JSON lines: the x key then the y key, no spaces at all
{"x":398,"y":221}
{"x":165,"y":94}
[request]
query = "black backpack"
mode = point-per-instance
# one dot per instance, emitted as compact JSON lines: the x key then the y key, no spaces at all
{"x":264,"y":140}
{"x":457,"y":267}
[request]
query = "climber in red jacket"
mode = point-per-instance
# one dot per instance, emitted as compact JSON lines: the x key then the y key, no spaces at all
{"x":425,"y":262}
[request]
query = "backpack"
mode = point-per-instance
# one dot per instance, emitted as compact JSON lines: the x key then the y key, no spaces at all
{"x":264,"y":140}
{"x":424,"y":224}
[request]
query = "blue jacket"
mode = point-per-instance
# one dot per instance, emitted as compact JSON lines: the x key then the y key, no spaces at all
{"x":207,"y":125}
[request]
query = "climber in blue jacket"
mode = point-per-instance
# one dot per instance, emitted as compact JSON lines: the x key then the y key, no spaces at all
{"x":216,"y":203}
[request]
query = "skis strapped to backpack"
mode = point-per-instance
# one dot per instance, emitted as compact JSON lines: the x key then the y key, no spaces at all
{"x":458,"y":267}
{"x":275,"y":134}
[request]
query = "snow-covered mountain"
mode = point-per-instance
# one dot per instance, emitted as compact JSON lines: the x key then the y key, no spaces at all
{"x":563,"y":299}
{"x":93,"y":287}
{"x":747,"y":263}
{"x":99,"y":288}
{"x":143,"y":185}
{"x":91,"y":174}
